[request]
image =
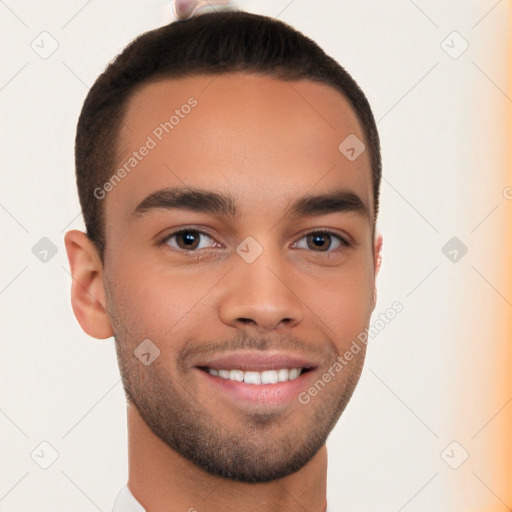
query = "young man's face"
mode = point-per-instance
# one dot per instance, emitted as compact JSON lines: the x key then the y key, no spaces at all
{"x":257,"y":282}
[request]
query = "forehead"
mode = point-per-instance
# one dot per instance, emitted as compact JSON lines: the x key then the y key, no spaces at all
{"x":262,"y":139}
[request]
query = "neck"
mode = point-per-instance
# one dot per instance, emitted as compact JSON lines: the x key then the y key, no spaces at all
{"x":164,"y":481}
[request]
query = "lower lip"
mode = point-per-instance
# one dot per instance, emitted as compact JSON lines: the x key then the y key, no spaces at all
{"x":261,"y":394}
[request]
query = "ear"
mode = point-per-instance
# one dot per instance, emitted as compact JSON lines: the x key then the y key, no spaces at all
{"x":87,"y":291}
{"x":377,"y":255}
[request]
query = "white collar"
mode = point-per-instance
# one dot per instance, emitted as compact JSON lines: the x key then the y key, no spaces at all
{"x":126,"y":502}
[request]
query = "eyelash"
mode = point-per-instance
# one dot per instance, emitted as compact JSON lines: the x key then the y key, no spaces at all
{"x":344,"y":243}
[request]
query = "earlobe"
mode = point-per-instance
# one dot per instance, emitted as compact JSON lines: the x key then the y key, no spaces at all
{"x":87,"y":292}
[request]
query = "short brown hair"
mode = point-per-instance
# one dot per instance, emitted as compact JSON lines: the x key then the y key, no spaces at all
{"x":210,"y":43}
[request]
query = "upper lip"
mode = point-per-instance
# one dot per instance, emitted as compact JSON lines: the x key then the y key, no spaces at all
{"x":256,"y":361}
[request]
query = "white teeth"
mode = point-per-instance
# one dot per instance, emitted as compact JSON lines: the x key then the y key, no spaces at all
{"x":282,"y":375}
{"x":237,"y":375}
{"x":294,"y":373}
{"x":252,"y":377}
{"x":224,"y":374}
{"x":269,"y":377}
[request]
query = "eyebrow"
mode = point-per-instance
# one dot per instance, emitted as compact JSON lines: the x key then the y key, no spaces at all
{"x":225,"y":205}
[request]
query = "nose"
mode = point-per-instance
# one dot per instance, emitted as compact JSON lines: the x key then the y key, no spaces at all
{"x":261,"y":294}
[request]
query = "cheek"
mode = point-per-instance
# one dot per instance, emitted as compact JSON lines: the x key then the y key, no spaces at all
{"x":346,"y":312}
{"x":344,"y":303}
{"x":152,"y":302}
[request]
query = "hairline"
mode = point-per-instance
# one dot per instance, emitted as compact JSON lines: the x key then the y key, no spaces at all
{"x":133,"y":69}
{"x":120,"y":134}
{"x":162,"y":78}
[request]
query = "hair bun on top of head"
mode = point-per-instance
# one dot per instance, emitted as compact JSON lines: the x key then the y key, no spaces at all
{"x":186,"y":9}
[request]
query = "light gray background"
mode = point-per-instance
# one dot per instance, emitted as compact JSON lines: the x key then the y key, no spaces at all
{"x":427,"y":380}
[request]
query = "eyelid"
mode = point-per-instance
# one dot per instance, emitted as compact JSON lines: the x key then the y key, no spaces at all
{"x":346,"y":241}
{"x":182,"y":229}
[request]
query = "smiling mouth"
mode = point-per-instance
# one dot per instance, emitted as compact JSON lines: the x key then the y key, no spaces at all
{"x":256,"y":377}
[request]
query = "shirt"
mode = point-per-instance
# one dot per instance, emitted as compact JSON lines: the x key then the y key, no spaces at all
{"x":126,"y":502}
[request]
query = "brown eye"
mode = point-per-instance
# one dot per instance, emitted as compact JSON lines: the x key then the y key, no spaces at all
{"x":319,"y":241}
{"x":322,"y":241}
{"x":187,"y":240}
